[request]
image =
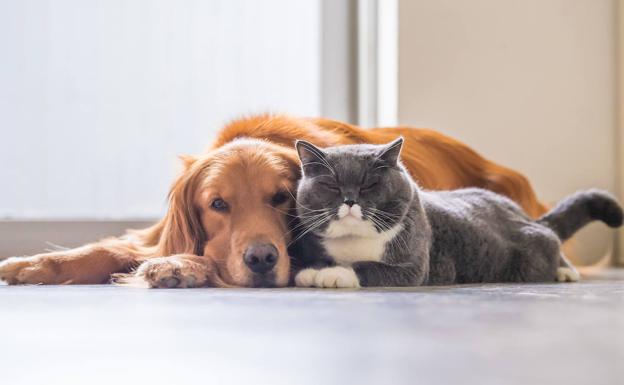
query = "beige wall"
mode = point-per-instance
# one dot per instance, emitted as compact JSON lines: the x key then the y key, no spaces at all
{"x":531,"y":84}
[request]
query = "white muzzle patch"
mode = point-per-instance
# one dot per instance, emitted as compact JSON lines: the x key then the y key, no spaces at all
{"x":354,"y":211}
{"x":350,"y":238}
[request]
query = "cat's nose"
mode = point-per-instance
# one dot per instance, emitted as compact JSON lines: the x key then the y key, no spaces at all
{"x":349,"y":202}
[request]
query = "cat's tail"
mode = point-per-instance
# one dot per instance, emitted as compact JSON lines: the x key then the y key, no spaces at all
{"x":577,"y":210}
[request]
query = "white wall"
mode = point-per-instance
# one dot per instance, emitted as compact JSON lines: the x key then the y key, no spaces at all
{"x":530,"y":84}
{"x":98,"y":97}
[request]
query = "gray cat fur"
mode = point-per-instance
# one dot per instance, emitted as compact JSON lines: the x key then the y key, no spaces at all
{"x":462,"y":236}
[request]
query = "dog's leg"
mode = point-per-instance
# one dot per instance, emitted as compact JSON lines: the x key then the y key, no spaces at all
{"x":182,"y":271}
{"x":90,"y":264}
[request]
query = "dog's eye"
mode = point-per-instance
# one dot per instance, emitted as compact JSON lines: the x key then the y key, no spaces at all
{"x":219,"y":205}
{"x":278,"y":198}
{"x":370,"y":186}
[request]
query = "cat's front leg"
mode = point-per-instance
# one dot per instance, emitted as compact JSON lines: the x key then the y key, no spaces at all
{"x":383,"y":274}
{"x":328,"y":277}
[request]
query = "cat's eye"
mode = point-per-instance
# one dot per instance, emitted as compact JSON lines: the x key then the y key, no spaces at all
{"x":370,"y":186}
{"x":219,"y":205}
{"x":329,"y":186}
{"x":279,"y":198}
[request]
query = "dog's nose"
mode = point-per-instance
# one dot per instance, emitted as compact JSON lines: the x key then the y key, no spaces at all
{"x":261,"y":258}
{"x":349,"y":202}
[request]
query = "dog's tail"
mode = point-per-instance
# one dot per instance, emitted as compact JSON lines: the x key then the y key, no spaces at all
{"x":577,"y":210}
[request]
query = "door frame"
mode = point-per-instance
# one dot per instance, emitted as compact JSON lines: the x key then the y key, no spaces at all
{"x":620,"y":124}
{"x":377,"y":62}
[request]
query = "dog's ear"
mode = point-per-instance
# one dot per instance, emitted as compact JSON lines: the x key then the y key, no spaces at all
{"x":183,"y":232}
{"x":291,"y":160}
{"x":187,"y":160}
{"x":390,"y":152}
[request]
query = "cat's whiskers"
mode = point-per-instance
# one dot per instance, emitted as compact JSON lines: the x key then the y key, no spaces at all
{"x":397,"y":241}
{"x":380,"y":223}
{"x":303,"y":220}
{"x":313,"y":226}
{"x":384,"y":216}
{"x":380,"y":211}
{"x":376,"y":222}
{"x":312,"y":210}
{"x":282,"y":211}
{"x":307,"y":220}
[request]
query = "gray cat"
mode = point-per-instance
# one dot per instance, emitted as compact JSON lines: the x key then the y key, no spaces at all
{"x":364,"y":222}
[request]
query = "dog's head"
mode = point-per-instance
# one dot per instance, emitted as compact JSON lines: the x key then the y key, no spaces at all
{"x":233,"y":205}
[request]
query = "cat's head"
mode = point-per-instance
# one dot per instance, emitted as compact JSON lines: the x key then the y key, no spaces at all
{"x":359,"y":189}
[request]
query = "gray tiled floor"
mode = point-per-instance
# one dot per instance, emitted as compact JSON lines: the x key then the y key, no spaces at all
{"x":492,"y":334}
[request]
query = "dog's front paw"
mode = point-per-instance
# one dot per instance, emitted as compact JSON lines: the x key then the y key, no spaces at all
{"x":26,"y":270}
{"x":169,"y":272}
{"x":336,"y":277}
{"x":11,"y":267}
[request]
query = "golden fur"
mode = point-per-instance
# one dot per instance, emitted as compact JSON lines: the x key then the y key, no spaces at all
{"x":194,"y":245}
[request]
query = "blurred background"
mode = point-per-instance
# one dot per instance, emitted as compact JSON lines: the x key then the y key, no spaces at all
{"x":98,"y":97}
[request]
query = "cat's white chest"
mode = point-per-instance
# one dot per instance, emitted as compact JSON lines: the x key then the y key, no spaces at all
{"x":350,"y":240}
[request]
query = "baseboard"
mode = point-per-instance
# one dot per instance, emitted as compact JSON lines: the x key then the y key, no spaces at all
{"x":32,"y":237}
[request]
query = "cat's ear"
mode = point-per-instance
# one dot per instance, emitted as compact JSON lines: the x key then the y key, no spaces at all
{"x":309,"y":153}
{"x":391,"y":151}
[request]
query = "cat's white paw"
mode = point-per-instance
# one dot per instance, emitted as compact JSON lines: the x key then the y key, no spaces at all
{"x":305,"y":278}
{"x":337,"y":276}
{"x":567,"y":274}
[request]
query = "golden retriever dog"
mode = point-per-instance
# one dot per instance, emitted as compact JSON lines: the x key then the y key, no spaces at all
{"x":228,"y":218}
